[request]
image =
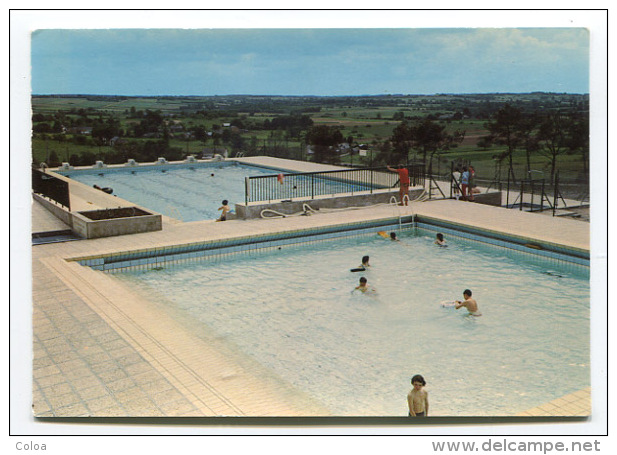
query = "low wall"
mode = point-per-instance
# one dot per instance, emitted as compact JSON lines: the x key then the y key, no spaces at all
{"x":92,"y":229}
{"x":89,"y":228}
{"x":492,"y":198}
{"x":253,"y":210}
{"x":57,"y":210}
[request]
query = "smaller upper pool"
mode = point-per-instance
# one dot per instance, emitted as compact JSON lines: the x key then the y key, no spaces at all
{"x":188,"y":192}
{"x":194,"y":192}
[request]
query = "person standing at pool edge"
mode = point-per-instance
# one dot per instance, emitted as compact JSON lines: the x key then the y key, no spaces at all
{"x":403,"y":176}
{"x":469,"y":303}
{"x":417,"y":398}
{"x":464,"y":183}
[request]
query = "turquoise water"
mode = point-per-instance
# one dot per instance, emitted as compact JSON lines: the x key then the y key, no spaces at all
{"x":190,"y":193}
{"x":194,"y":192}
{"x":293,"y":311}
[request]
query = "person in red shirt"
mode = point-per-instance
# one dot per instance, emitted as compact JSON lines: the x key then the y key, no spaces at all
{"x":403,"y":176}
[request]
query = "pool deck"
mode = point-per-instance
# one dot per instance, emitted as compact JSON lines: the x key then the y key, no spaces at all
{"x":101,"y":350}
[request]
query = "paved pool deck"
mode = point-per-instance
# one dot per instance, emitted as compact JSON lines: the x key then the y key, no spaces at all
{"x":100,"y":350}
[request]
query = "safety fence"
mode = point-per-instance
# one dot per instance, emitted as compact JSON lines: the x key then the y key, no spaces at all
{"x":51,"y":187}
{"x":309,"y":185}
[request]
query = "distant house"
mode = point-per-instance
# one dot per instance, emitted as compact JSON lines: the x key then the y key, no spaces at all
{"x":209,"y":152}
{"x":85,"y":130}
{"x":226,"y":125}
{"x":176,"y":128}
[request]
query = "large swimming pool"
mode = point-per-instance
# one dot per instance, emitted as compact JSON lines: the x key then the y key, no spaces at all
{"x":192,"y":192}
{"x":291,"y":307}
{"x":186,"y":192}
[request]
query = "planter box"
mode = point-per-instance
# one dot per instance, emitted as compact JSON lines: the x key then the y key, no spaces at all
{"x":110,"y":222}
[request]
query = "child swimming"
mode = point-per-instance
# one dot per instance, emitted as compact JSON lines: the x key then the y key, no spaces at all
{"x":439,"y":240}
{"x":362,"y":267}
{"x":364,"y":287}
{"x":469,"y":303}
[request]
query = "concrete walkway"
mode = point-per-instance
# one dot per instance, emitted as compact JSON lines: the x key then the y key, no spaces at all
{"x":577,"y":404}
{"x":102,"y":350}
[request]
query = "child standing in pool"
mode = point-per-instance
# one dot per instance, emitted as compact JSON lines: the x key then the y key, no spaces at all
{"x":469,"y":303}
{"x":364,"y":287}
{"x":225,"y":209}
{"x":439,"y":240}
{"x":417,"y":398}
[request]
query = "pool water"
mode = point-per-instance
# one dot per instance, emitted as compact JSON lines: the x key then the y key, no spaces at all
{"x":293,"y":310}
{"x":195,"y":192}
{"x":188,"y":193}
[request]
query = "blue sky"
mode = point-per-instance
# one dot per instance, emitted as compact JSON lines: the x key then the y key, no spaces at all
{"x":309,"y":61}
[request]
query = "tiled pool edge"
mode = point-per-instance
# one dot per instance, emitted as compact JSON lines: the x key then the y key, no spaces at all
{"x":519,"y":244}
{"x":155,"y":257}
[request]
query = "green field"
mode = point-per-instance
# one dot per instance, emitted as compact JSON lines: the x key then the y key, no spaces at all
{"x":368,"y":120}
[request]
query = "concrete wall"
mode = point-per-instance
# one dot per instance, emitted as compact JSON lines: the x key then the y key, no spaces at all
{"x":58,"y":211}
{"x":289,"y":208}
{"x":492,"y":198}
{"x":91,"y":229}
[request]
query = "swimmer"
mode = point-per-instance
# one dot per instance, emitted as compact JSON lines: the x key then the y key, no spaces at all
{"x":469,"y":303}
{"x":362,"y":267}
{"x":393,"y":237}
{"x":439,"y":240}
{"x":417,"y":398}
{"x":364,"y":287}
{"x":225,"y":209}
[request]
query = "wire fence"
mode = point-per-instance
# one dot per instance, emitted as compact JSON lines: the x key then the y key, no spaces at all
{"x":534,"y":192}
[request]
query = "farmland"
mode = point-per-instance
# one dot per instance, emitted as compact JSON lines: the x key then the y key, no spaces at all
{"x":81,"y":129}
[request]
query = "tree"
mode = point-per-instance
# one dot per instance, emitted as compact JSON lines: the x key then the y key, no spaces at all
{"x":529,"y":141}
{"x":552,"y":138}
{"x":425,"y":136}
{"x":577,"y":138}
{"x":323,"y":138}
{"x":505,"y":129}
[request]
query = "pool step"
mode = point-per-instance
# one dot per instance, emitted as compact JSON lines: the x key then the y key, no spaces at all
{"x":64,"y":235}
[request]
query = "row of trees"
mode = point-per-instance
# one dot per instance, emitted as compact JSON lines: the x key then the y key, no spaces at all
{"x":549,"y":134}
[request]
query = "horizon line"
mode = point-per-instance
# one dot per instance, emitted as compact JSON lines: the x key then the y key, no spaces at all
{"x":315,"y":96}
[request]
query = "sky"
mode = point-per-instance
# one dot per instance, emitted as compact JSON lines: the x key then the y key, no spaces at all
{"x":309,"y":61}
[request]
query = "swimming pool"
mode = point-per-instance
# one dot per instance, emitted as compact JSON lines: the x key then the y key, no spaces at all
{"x":189,"y":192}
{"x":291,"y":308}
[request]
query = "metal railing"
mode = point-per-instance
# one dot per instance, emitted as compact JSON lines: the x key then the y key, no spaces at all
{"x":305,"y":185}
{"x":51,"y":187}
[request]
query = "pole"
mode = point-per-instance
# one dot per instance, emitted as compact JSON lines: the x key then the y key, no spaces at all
{"x":451,"y":178}
{"x":246,"y":191}
{"x":508,"y":191}
{"x":555,"y":192}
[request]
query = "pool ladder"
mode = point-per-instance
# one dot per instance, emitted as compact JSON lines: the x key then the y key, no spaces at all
{"x":394,"y":202}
